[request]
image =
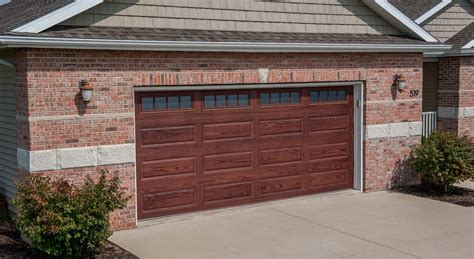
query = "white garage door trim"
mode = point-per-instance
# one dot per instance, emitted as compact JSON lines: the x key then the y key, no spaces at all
{"x":358,"y":111}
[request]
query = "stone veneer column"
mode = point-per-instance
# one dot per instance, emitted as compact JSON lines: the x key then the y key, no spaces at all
{"x":456,"y":95}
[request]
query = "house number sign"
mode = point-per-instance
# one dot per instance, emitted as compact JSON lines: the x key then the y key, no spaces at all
{"x":414,"y":93}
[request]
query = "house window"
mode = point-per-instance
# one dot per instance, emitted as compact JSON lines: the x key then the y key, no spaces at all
{"x":226,"y":101}
{"x":160,"y":103}
{"x":328,"y":96}
{"x":280,"y":98}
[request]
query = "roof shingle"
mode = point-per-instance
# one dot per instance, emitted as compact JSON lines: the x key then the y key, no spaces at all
{"x":151,"y":34}
{"x":463,"y":37}
{"x":414,"y":8}
{"x":19,"y":12}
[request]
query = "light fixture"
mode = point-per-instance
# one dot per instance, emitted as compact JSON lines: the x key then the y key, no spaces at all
{"x":400,"y":82}
{"x":86,"y":91}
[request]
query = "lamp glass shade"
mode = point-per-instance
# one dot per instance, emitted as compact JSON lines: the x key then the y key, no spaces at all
{"x":86,"y":95}
{"x":402,"y":84}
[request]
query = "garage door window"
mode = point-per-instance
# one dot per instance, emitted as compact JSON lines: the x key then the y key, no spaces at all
{"x":226,"y":101}
{"x":279,"y":98}
{"x":160,"y":103}
{"x":328,"y":96}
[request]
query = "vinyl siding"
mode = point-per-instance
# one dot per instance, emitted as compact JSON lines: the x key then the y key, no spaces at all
{"x":430,"y":86}
{"x":8,"y":142}
{"x":310,"y":16}
{"x":449,"y":22}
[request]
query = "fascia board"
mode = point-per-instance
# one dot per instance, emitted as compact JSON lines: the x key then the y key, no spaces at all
{"x":433,"y":11}
{"x":399,"y":19}
{"x":75,"y":43}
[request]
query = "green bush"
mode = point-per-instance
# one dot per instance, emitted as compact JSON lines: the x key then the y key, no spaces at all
{"x":444,"y":159}
{"x":67,"y":220}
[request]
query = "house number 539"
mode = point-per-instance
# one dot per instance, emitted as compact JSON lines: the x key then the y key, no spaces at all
{"x":414,"y":93}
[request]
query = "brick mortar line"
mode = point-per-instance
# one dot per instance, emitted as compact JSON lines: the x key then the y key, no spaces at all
{"x":394,"y":101}
{"x":74,"y":117}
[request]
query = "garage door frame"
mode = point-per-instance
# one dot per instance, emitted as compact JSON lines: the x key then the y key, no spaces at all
{"x":358,"y":111}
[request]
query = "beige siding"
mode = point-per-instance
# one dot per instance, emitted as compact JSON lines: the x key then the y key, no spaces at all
{"x":430,"y":86}
{"x":449,"y":22}
{"x":8,"y":142}
{"x":313,"y":16}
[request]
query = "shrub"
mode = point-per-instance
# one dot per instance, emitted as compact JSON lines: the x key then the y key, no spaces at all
{"x":67,"y":220}
{"x":444,"y":159}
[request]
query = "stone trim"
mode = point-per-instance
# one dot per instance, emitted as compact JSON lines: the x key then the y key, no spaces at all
{"x":455,"y":112}
{"x":394,"y":130}
{"x":65,"y":158}
{"x":75,"y":117}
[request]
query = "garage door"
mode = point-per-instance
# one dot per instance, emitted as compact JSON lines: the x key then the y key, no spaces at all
{"x":207,"y":149}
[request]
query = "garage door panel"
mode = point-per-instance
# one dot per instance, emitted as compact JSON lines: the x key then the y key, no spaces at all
{"x":229,"y":161}
{"x":329,"y":178}
{"x":227,"y":192}
{"x":325,"y":165}
{"x":167,"y":200}
{"x":281,"y":126}
{"x":225,"y":131}
{"x":167,"y":135}
{"x":328,"y":123}
{"x":328,"y":151}
{"x":282,"y":184}
{"x":220,"y":154}
{"x":167,"y":167}
{"x":281,"y":156}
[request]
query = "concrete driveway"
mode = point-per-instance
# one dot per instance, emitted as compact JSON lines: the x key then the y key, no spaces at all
{"x":342,"y":225}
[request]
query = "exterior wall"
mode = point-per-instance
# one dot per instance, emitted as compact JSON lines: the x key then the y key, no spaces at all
{"x":449,"y":22}
{"x":456,"y":95}
{"x":93,"y":133}
{"x":323,"y":16}
{"x":8,"y":143}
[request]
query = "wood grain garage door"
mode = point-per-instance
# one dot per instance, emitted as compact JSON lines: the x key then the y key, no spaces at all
{"x":207,"y":149}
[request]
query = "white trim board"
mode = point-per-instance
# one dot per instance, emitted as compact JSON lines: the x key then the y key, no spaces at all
{"x":6,"y":63}
{"x":57,"y":16}
{"x":433,"y":11}
{"x":76,"y":43}
{"x":4,"y":2}
{"x":399,"y":19}
{"x":469,"y":45}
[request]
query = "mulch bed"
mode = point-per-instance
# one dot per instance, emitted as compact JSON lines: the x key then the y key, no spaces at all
{"x":455,"y":195}
{"x":12,"y":246}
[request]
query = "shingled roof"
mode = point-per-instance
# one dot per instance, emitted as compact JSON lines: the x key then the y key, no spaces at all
{"x":462,"y":38}
{"x":414,"y":9}
{"x":152,"y":34}
{"x":19,"y":12}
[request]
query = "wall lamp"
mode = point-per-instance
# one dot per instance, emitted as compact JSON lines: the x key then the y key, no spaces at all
{"x":400,"y":82}
{"x":86,"y":91}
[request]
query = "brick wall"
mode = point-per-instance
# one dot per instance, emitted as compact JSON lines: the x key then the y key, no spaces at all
{"x":456,"y":95}
{"x":54,"y":116}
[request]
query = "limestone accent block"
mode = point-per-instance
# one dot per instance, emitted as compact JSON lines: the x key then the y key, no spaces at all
{"x":467,"y":112}
{"x":416,"y":128}
{"x":399,"y":130}
{"x":43,"y":160}
{"x":394,"y":130}
{"x":448,"y":112}
{"x":377,"y":131}
{"x":116,"y":154}
{"x":77,"y":157}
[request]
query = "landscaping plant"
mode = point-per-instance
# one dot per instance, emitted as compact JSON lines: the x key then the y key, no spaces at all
{"x":444,"y":159}
{"x":66,"y":220}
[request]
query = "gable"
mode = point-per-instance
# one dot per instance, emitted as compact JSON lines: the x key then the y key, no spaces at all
{"x":296,"y":16}
{"x":449,"y":22}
